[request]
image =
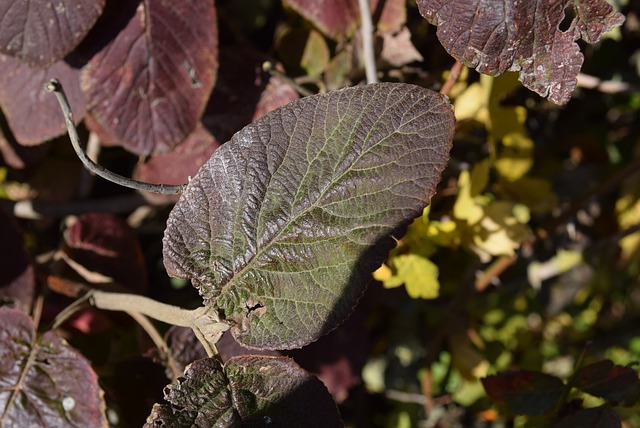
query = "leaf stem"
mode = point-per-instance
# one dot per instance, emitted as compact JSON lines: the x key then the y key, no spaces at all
{"x":454,"y":74}
{"x":203,"y":320}
{"x":270,"y":68}
{"x":366,"y":29}
{"x":54,"y":86}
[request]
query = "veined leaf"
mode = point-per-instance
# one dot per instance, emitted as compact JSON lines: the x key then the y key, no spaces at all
{"x":249,"y":390}
{"x":43,"y":382}
{"x":282,"y":228}
{"x":494,"y":37}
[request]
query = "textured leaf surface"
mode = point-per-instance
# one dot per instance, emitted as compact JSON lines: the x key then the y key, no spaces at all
{"x":43,"y":382}
{"x":339,"y":18}
{"x":283,"y":226}
{"x":524,"y":36}
{"x":148,"y":87}
{"x":248,"y":391}
{"x":33,"y":114}
{"x":40,"y":32}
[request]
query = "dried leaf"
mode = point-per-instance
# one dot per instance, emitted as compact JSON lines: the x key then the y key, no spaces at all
{"x":524,"y":36}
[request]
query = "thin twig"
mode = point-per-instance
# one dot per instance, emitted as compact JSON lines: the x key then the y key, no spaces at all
{"x":166,"y":189}
{"x":367,"y":42}
{"x":454,"y":74}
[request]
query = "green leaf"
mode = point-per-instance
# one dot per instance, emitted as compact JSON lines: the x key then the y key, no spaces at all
{"x":43,"y":382}
{"x":282,"y":228}
{"x":249,"y":390}
{"x":524,"y":392}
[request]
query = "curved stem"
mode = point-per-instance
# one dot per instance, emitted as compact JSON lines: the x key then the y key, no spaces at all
{"x":54,"y":86}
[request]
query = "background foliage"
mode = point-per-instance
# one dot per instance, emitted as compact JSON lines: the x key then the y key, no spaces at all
{"x":513,"y":291}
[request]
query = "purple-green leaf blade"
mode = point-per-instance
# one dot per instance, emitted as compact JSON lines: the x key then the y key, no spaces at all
{"x":43,"y":382}
{"x":249,"y":390}
{"x":283,"y":226}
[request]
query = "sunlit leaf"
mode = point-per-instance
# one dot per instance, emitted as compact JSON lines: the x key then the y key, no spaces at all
{"x":524,"y":36}
{"x":283,"y":226}
{"x":148,"y":87}
{"x":43,"y":382}
{"x":418,"y":274}
{"x":40,"y":32}
{"x":248,"y":391}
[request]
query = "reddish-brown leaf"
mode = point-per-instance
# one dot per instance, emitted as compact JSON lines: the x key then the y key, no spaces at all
{"x":524,"y":392}
{"x":40,"y":32}
{"x":33,"y":114}
{"x":148,"y":87}
{"x":339,"y":19}
{"x":611,"y":382}
{"x":524,"y":36}
{"x":178,"y":165}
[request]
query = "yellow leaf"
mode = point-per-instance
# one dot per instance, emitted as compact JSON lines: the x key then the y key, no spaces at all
{"x":465,"y":208}
{"x":419,"y":275}
{"x":468,"y":104}
{"x":383,"y":273}
{"x":535,"y":193}
{"x":516,"y":157}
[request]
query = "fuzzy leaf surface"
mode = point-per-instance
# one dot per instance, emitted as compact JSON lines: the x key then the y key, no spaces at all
{"x":249,"y":390}
{"x":148,"y":87}
{"x":40,"y":32}
{"x":43,"y":382}
{"x":494,"y":37}
{"x":282,"y":228}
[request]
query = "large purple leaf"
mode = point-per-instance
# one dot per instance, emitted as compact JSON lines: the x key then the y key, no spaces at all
{"x":148,"y":87}
{"x":40,"y":32}
{"x":23,"y":98}
{"x":495,"y":36}
{"x":249,"y":390}
{"x":43,"y":382}
{"x":283,"y":226}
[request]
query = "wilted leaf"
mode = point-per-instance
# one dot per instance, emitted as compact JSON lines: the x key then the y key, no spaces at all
{"x":17,"y":282}
{"x":178,"y":165}
{"x":339,"y":18}
{"x":524,"y":392}
{"x":148,"y":87}
{"x":43,"y":382}
{"x":40,"y":32}
{"x":34,"y":115}
{"x":248,"y":390}
{"x":524,"y":36}
{"x":397,"y":49}
{"x":612,"y":382}
{"x":283,"y":226}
